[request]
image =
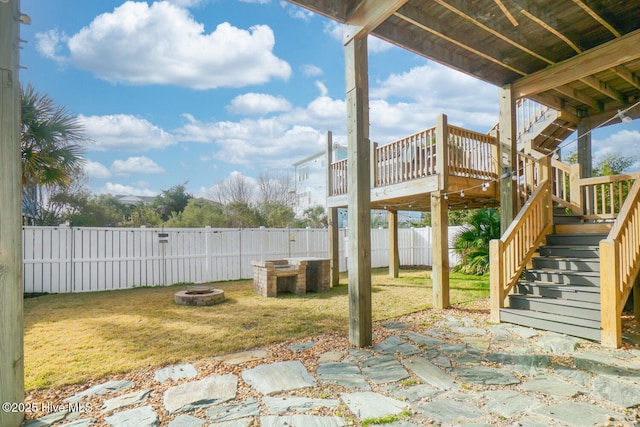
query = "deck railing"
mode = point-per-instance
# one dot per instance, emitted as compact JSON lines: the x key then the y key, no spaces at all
{"x":619,"y":267}
{"x":405,"y":159}
{"x":470,"y":154}
{"x":599,"y":197}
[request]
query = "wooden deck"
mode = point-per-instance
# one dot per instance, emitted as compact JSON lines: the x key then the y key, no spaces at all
{"x":459,"y":162}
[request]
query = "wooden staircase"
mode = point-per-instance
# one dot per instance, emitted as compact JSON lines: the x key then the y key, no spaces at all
{"x":560,"y":290}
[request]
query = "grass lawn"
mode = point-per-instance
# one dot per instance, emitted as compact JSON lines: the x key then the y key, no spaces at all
{"x":70,"y":338}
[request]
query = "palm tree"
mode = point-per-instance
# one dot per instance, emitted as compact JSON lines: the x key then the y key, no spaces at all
{"x":50,"y":145}
{"x":472,"y":243}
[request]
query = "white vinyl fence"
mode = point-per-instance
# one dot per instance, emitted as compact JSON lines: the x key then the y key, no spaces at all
{"x":71,"y":259}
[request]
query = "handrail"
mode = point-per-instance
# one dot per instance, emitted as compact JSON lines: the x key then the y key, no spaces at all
{"x":510,"y":254}
{"x":619,"y":267}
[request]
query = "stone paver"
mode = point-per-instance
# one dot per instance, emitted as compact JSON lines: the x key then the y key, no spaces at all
{"x":187,"y":421}
{"x":279,"y":377}
{"x":175,"y":373}
{"x":429,"y":373}
{"x":100,"y":389}
{"x":395,"y":345}
{"x":384,"y":369}
{"x":279,"y":405}
{"x":508,"y":403}
{"x":129,"y":399}
{"x":619,"y":391}
{"x":551,"y":386}
{"x":144,"y":416}
{"x":344,"y":374}
{"x":367,"y":404}
{"x":205,"y":392}
{"x":248,"y":408}
{"x":577,"y":414}
{"x":449,"y":411}
{"x":301,"y":420}
{"x":242,"y":357}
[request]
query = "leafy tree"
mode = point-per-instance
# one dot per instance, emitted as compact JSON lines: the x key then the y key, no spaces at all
{"x":236,"y":188}
{"x":472,"y":243}
{"x":172,"y":201}
{"x":314,"y":217}
{"x":104,"y":210}
{"x":199,"y":213}
{"x":50,"y":141}
{"x":276,"y":215}
{"x":242,"y":215}
{"x":143,"y":214}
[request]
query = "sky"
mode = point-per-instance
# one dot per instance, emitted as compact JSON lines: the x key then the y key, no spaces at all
{"x":195,"y":91}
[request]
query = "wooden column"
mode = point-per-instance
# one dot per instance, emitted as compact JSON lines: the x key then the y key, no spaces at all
{"x":359,"y":192}
{"x":334,"y":247}
{"x":584,"y":148}
{"x":332,"y":222}
{"x":440,"y":245}
{"x":394,"y":254}
{"x":610,"y":321}
{"x":11,"y":318}
{"x":507,"y":151}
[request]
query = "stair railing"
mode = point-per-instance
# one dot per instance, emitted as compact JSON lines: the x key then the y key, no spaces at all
{"x":619,"y":267}
{"x":510,"y":254}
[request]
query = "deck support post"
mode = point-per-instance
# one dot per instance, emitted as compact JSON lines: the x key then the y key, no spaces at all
{"x":334,"y":247}
{"x":11,"y":287}
{"x":584,"y":148}
{"x":636,"y":298}
{"x":359,"y":192}
{"x":394,"y":255}
{"x":610,"y":321}
{"x":507,"y":149}
{"x":440,"y":244}
{"x":332,"y":222}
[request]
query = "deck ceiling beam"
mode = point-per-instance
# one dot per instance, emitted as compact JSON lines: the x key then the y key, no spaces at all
{"x":367,"y":15}
{"x":604,"y":89}
{"x":627,"y":75}
{"x":577,"y":95}
{"x":603,"y":57}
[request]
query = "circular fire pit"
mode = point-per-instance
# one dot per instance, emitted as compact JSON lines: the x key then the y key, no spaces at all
{"x":199,"y":295}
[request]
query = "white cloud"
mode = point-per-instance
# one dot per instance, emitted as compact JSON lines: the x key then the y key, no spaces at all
{"x":115,"y":188}
{"x":48,"y":44}
{"x":258,"y":104}
{"x":377,"y":45}
{"x":162,"y":44}
{"x":96,"y":170}
{"x":311,"y":70}
{"x":256,"y":1}
{"x":124,"y":132}
{"x":323,"y":89}
{"x":136,"y":165}
{"x":623,"y":143}
{"x":297,"y":12}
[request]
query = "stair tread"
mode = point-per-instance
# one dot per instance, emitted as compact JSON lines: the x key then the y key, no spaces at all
{"x":567,"y":258}
{"x":563,"y":271}
{"x":592,"y":324}
{"x":562,"y":286}
{"x":559,"y":301}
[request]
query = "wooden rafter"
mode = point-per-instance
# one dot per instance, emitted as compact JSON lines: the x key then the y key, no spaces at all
{"x":597,"y":17}
{"x":604,"y":89}
{"x":603,"y":57}
{"x":459,"y":43}
{"x":493,"y":32}
{"x":506,"y":12}
{"x":367,"y":15}
{"x":572,"y":93}
{"x":551,"y":30}
{"x":627,"y":75}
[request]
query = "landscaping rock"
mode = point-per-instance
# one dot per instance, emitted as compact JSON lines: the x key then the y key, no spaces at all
{"x":47,"y":420}
{"x":206,"y":392}
{"x":330,"y":356}
{"x":551,"y":387}
{"x":248,"y":408}
{"x":87,"y":422}
{"x":618,"y":391}
{"x":508,"y":403}
{"x":449,"y":411}
{"x":242,"y":357}
{"x":302,"y":347}
{"x":383,"y":369}
{"x":429,"y":373}
{"x":486,"y":375}
{"x":301,"y":420}
{"x":395,"y":345}
{"x":576,"y":414}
